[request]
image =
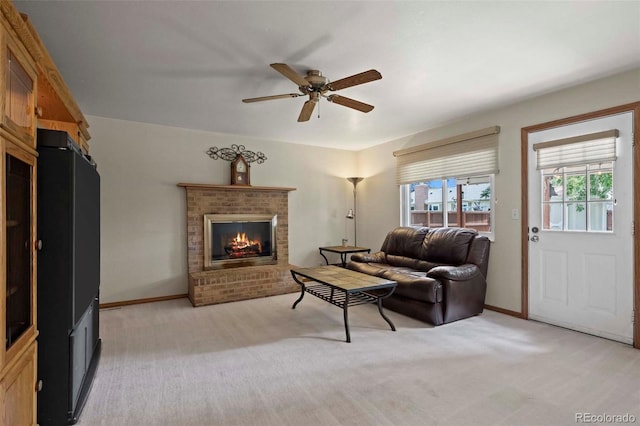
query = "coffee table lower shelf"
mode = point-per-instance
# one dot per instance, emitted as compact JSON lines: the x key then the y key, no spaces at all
{"x":328,"y":294}
{"x":343,"y":288}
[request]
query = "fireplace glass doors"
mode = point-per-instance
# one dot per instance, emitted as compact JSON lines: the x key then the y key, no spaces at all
{"x":235,"y":240}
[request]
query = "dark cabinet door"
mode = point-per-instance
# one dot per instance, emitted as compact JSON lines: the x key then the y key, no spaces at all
{"x":18,"y":175}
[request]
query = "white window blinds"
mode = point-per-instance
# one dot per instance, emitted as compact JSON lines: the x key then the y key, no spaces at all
{"x":468,"y":155}
{"x":597,"y":147}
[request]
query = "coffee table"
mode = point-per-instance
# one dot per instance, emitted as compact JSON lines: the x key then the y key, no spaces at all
{"x":343,"y":288}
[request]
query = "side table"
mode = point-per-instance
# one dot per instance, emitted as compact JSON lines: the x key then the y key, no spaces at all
{"x":343,"y":251}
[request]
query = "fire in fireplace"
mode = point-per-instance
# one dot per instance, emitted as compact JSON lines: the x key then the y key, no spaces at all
{"x":234,"y":240}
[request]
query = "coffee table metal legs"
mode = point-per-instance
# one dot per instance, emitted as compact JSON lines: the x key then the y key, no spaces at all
{"x":302,"y":289}
{"x":346,"y":317}
{"x":393,"y":327}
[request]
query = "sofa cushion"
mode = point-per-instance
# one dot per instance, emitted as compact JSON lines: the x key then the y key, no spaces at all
{"x":405,"y":241}
{"x":447,"y":245}
{"x":371,"y":268}
{"x":402,"y":261}
{"x":415,"y":285}
{"x":425,"y":265}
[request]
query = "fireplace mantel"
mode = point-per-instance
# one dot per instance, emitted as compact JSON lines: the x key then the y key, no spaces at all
{"x":235,"y":187}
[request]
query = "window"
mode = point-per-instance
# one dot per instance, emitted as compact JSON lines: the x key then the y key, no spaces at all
{"x":578,"y":198}
{"x":449,"y":182}
{"x":449,"y":202}
{"x":577,"y":182}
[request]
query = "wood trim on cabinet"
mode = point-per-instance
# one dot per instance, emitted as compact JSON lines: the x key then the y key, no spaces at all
{"x":50,"y":72}
{"x":16,"y":351}
{"x":21,"y":28}
{"x":633,"y":107}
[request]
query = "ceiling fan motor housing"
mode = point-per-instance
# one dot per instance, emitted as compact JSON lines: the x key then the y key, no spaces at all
{"x":316,"y":80}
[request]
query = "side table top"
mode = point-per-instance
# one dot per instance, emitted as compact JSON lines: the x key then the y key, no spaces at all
{"x":344,"y":249}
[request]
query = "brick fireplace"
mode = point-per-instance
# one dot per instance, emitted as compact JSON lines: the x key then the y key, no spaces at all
{"x":230,"y":284}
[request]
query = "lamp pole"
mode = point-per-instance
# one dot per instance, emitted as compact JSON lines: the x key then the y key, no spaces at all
{"x":352,"y":214}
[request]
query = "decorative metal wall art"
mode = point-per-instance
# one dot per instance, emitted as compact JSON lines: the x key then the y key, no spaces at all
{"x":230,"y":154}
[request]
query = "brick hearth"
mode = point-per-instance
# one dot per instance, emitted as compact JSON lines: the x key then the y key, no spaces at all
{"x":208,"y":287}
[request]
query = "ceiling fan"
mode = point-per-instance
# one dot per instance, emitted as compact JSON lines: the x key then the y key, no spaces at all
{"x":315,"y":85}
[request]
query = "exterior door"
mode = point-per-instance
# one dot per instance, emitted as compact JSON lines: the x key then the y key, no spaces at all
{"x":581,"y":235}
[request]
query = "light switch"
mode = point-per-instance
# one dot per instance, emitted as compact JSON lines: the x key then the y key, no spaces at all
{"x":515,"y":214}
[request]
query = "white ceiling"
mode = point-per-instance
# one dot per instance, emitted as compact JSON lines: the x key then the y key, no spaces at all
{"x":189,"y":64}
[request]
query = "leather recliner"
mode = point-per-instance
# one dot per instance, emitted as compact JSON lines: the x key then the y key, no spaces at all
{"x":441,"y":272}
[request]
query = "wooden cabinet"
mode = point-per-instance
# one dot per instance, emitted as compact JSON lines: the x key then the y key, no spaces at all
{"x":33,"y":95}
{"x":18,"y":328}
{"x":18,"y":285}
{"x":19,"y":77}
{"x":17,"y":391}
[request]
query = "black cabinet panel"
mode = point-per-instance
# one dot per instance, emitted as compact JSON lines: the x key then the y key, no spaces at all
{"x":68,"y":277}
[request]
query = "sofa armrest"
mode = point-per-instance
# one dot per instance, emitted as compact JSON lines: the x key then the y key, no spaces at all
{"x":377,"y":257}
{"x":454,"y":273}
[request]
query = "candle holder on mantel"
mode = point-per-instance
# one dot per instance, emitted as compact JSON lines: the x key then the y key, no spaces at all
{"x":241,"y":160}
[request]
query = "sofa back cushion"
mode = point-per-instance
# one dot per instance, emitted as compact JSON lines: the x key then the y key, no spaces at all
{"x":447,"y":245}
{"x":405,"y":241}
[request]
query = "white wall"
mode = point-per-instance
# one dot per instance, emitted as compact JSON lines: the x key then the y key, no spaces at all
{"x":378,"y":193}
{"x":143,"y":231}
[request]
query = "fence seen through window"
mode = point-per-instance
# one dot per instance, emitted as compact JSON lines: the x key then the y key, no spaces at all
{"x":452,"y":203}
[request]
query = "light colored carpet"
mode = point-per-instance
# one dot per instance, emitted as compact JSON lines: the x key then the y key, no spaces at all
{"x":259,"y":362}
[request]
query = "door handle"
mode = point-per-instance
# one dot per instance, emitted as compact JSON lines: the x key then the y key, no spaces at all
{"x":534,"y":239}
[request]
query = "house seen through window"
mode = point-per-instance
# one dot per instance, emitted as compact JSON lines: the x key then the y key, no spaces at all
{"x":451,"y":202}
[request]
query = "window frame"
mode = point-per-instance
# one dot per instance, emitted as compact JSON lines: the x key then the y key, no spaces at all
{"x":405,"y":204}
{"x":566,"y":203}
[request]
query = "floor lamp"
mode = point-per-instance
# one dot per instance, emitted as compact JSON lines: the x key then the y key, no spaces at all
{"x":351,"y":214}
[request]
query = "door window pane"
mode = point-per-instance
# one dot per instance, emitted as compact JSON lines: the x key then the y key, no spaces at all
{"x":576,"y":214}
{"x":576,"y":187}
{"x":554,"y":216}
{"x":574,"y":197}
{"x":601,"y":185}
{"x":601,"y":216}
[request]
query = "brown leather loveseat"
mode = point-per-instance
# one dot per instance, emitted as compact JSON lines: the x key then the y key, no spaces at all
{"x":441,"y":272}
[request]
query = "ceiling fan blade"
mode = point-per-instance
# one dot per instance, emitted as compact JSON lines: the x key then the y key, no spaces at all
{"x":350,"y":103}
{"x":354,"y":80}
{"x":307,"y":110}
{"x":290,"y":73}
{"x":269,"y":98}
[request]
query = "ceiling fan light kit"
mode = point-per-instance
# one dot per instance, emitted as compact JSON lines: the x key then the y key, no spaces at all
{"x":315,"y":85}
